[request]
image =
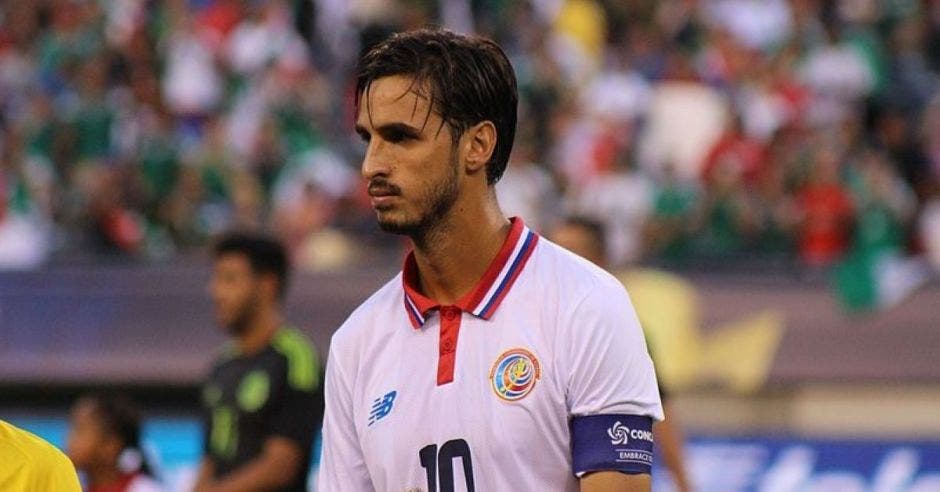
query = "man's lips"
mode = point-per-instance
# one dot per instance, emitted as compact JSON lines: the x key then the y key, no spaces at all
{"x":382,"y":194}
{"x":382,"y":201}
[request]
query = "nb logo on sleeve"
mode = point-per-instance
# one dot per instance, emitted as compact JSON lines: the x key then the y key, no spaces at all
{"x":382,"y":406}
{"x":620,"y":434}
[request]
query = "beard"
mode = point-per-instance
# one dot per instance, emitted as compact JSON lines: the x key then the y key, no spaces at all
{"x":434,"y":204}
{"x":240,"y":323}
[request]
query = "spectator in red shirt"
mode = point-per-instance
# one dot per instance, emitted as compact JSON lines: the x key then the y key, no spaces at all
{"x":826,"y":211}
{"x":738,"y":151}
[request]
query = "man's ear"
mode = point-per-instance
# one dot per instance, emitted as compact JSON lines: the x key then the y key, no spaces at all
{"x":480,"y":143}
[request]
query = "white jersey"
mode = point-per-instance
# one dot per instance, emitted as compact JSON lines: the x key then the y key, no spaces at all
{"x":538,"y":375}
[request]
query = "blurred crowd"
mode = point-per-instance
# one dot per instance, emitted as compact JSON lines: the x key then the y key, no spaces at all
{"x":800,"y":129}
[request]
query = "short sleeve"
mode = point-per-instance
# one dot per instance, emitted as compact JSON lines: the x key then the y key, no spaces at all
{"x":29,"y":463}
{"x":342,"y":466}
{"x":298,"y":410}
{"x":60,"y":477}
{"x":209,"y":395}
{"x":297,"y":414}
{"x":612,"y":394}
{"x":609,"y":370}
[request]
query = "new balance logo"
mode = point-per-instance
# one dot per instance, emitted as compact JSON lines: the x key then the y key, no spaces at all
{"x":382,"y":406}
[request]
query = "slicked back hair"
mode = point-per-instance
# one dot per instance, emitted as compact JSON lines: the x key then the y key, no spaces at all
{"x":469,"y":78}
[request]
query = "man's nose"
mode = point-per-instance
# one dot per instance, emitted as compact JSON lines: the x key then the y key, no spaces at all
{"x":376,"y":162}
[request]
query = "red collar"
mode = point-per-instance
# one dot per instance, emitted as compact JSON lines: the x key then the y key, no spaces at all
{"x":489,"y":292}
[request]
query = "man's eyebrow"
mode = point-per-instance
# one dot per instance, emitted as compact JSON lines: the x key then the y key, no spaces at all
{"x":390,"y":128}
{"x":399,"y":127}
{"x":361,"y":130}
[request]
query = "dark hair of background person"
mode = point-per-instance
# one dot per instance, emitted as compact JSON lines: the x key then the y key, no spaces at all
{"x":120,"y":417}
{"x":594,"y":228}
{"x":467,"y":78}
{"x":265,"y":255}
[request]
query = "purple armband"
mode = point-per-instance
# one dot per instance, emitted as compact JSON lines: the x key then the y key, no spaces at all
{"x":621,"y":443}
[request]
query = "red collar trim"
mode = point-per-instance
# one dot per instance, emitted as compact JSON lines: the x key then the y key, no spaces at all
{"x":483,"y":300}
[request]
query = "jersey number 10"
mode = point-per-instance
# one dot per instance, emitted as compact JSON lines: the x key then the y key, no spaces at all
{"x":439,"y":464}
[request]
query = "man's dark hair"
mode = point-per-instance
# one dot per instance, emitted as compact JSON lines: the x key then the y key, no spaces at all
{"x":265,"y":255}
{"x":119,"y":417}
{"x":469,"y":79}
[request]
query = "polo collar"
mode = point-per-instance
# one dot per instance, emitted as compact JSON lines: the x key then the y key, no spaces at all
{"x":483,"y":300}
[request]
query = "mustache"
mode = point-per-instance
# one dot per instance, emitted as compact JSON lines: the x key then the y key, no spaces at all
{"x":381,"y":187}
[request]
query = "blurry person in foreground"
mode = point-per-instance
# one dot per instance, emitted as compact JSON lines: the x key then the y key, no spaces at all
{"x":263,"y":400}
{"x":104,"y":444}
{"x":587,"y":238}
{"x":29,"y":463}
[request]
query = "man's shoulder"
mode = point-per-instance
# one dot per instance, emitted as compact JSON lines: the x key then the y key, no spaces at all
{"x":576,"y":276}
{"x":19,"y":445}
{"x":374,"y":313}
{"x":224,"y":355}
{"x":33,"y":461}
{"x":299,"y":358}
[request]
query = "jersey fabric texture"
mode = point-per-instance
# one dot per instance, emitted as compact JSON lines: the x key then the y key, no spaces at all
{"x":29,"y":463}
{"x":251,"y":398}
{"x":483,"y":395}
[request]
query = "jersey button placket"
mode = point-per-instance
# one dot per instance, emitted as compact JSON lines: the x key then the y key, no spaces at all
{"x":450,"y":328}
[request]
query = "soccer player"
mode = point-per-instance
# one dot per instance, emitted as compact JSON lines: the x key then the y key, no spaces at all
{"x":104,"y":443}
{"x":29,"y":463}
{"x":496,"y":360}
{"x":262,"y":400}
{"x":587,"y":239}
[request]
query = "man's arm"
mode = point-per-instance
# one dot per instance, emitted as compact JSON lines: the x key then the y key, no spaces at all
{"x":669,"y":439}
{"x":613,"y":398}
{"x":276,"y":466}
{"x":204,"y":477}
{"x":608,"y":481}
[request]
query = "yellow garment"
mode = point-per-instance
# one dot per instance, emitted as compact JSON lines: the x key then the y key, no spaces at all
{"x":583,"y":21}
{"x":29,"y":464}
{"x":667,"y":306}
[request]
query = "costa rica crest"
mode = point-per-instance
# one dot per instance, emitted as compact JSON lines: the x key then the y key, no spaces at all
{"x":514,"y":374}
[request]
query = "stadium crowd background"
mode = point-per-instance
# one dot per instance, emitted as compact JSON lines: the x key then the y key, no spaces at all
{"x":791,"y":135}
{"x":804,"y":130}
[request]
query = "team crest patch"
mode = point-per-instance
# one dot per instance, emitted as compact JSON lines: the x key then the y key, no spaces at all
{"x":514,"y":374}
{"x":254,"y":390}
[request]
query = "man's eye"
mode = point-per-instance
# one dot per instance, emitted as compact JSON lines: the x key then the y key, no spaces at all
{"x":397,"y":137}
{"x":365,"y":137}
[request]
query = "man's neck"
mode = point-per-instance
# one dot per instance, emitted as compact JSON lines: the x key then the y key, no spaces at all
{"x":453,"y":256}
{"x":259,"y":332}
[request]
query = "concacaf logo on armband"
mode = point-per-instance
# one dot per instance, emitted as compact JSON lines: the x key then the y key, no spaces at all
{"x":514,"y":374}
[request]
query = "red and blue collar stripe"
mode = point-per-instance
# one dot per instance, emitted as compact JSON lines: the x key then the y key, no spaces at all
{"x":417,"y":320}
{"x":484,"y":299}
